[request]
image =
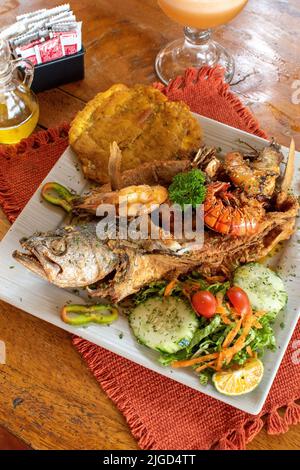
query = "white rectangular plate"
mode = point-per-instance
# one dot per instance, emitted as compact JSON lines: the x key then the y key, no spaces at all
{"x":28,"y":292}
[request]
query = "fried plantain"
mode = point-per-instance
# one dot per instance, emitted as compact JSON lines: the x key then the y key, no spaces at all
{"x":142,"y":121}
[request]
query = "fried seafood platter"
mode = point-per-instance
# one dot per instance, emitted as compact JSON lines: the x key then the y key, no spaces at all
{"x":209,"y":306}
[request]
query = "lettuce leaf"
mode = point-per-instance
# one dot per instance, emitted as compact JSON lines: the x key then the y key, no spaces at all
{"x":152,"y":290}
{"x":204,"y":332}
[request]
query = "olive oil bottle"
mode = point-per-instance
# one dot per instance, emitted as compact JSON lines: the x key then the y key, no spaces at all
{"x":19,"y":109}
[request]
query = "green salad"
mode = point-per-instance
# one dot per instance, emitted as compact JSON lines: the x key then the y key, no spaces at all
{"x":214,"y":327}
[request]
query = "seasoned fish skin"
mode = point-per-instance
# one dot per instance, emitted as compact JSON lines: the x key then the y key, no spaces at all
{"x":69,"y":257}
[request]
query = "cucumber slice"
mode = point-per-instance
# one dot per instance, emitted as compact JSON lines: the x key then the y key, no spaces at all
{"x":165,"y":324}
{"x":265,"y":288}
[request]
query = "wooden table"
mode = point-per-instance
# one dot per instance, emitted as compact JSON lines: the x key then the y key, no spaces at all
{"x":47,"y":396}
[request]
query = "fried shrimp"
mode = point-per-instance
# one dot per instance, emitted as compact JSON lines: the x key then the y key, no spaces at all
{"x":136,"y":199}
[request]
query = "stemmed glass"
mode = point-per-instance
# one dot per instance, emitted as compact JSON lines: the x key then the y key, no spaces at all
{"x":196,"y":48}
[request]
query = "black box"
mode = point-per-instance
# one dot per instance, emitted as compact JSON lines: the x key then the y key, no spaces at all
{"x":58,"y":72}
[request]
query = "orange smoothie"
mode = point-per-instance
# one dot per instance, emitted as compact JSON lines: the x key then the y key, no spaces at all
{"x":202,"y":14}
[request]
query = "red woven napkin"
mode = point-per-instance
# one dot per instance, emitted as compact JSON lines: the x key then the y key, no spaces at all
{"x":162,"y":413}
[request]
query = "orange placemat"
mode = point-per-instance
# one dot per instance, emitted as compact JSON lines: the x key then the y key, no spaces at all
{"x":161,"y":413}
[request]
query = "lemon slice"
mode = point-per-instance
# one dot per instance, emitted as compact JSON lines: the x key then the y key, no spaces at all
{"x":240,"y":380}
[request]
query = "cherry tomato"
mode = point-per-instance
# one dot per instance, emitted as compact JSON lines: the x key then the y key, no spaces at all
{"x":204,"y":303}
{"x":239,"y":300}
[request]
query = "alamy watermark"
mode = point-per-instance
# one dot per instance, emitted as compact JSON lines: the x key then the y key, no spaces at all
{"x":159,"y":222}
{"x":2,"y":352}
{"x":296,"y":92}
{"x":296,"y":352}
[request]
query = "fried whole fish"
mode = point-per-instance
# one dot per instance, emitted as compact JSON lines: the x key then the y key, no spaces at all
{"x":74,"y":257}
{"x":117,"y":268}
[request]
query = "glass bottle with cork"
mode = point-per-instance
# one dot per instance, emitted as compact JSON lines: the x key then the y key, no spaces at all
{"x":19,"y":109}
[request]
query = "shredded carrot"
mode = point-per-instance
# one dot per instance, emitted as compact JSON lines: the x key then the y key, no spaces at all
{"x":234,"y":313}
{"x":169,"y":288}
{"x":249,"y":351}
{"x":220,"y":361}
{"x":224,"y":318}
{"x":232,"y":334}
{"x":260,"y":313}
{"x":227,"y":354}
{"x":257,"y":324}
{"x":205,"y":366}
{"x":221,"y":310}
{"x":248,"y":317}
{"x":196,"y":360}
{"x":257,"y":315}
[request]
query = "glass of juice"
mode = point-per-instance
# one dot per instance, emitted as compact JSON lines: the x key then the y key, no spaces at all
{"x":196,"y":48}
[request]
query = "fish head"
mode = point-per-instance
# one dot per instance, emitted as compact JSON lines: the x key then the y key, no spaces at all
{"x":69,"y":257}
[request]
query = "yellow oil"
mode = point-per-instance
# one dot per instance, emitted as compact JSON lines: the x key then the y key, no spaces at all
{"x":19,"y":116}
{"x":13,"y":134}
